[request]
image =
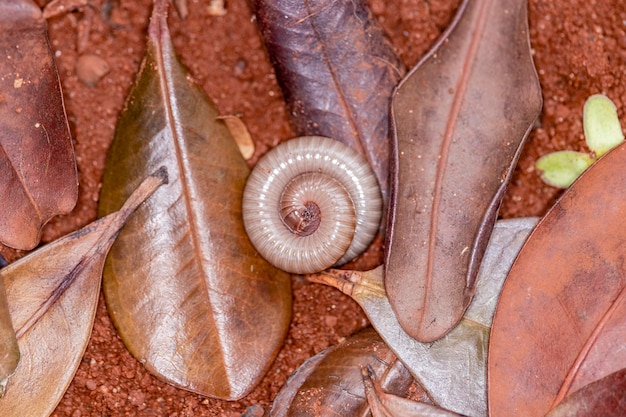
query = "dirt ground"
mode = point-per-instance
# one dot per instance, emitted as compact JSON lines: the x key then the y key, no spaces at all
{"x":579,"y":48}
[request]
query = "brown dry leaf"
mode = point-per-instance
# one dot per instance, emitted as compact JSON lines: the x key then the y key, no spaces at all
{"x":185,"y":289}
{"x":452,"y":369}
{"x":337,"y":71}
{"x":241,"y":135}
{"x":460,"y":118}
{"x":385,"y":404}
{"x":331,"y":383}
{"x":605,"y":397}
{"x":561,"y":319}
{"x":37,"y":163}
{"x":52,"y":295}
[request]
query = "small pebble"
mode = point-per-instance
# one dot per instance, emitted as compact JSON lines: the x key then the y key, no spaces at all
{"x":91,"y":385}
{"x":91,"y":68}
{"x":216,"y":8}
{"x":255,"y":410}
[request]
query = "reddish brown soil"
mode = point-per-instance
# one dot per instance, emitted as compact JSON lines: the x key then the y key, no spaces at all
{"x":579,"y":49}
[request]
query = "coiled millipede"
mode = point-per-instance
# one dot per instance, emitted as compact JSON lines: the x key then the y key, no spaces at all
{"x":311,"y":203}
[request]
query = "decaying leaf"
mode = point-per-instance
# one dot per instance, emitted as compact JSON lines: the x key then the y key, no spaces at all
{"x":331,"y":383}
{"x":337,"y":71}
{"x":384,"y":404}
{"x":452,"y":369}
{"x":605,"y":397}
{"x":37,"y":165}
{"x":460,"y":118}
{"x":52,"y":295}
{"x":561,"y":319}
{"x":185,"y":289}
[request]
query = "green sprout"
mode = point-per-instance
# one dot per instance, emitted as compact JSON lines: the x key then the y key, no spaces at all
{"x":603,"y":132}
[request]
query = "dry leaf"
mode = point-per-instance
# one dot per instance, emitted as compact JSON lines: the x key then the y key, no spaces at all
{"x":337,"y":71}
{"x":52,"y":295}
{"x":331,"y":383}
{"x":241,"y":135}
{"x":452,"y":369}
{"x":184,"y":287}
{"x":37,"y":163}
{"x":385,"y":404}
{"x":605,"y":397}
{"x":460,"y":118}
{"x":561,"y":319}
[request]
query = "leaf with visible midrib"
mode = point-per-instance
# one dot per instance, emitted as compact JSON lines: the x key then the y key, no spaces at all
{"x":561,"y":319}
{"x":337,"y":71}
{"x":460,"y":118}
{"x":451,"y":369}
{"x":330,"y":383}
{"x":385,"y":404}
{"x":605,"y":397}
{"x":37,"y":165}
{"x":52,"y":295}
{"x":187,"y":292}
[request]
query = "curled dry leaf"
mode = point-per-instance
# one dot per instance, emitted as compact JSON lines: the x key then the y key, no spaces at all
{"x":561,"y":319}
{"x":337,"y":71}
{"x":452,"y":369}
{"x":241,"y":135}
{"x":52,"y":295}
{"x":37,"y":163}
{"x":384,"y":404}
{"x":460,"y":118}
{"x":330,"y":383}
{"x":185,"y":289}
{"x":605,"y":397}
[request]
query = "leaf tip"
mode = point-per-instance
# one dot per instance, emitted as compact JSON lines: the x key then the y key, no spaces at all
{"x":158,"y":20}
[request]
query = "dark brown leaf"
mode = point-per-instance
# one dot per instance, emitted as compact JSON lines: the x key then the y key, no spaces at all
{"x":336,"y":70}
{"x":605,"y":397}
{"x":187,"y":292}
{"x":452,"y":369}
{"x":52,"y":295}
{"x":460,"y":118}
{"x":331,"y":383}
{"x":37,"y":163}
{"x":561,"y":319}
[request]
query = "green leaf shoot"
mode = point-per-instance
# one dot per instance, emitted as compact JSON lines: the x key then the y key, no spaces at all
{"x":602,"y":131}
